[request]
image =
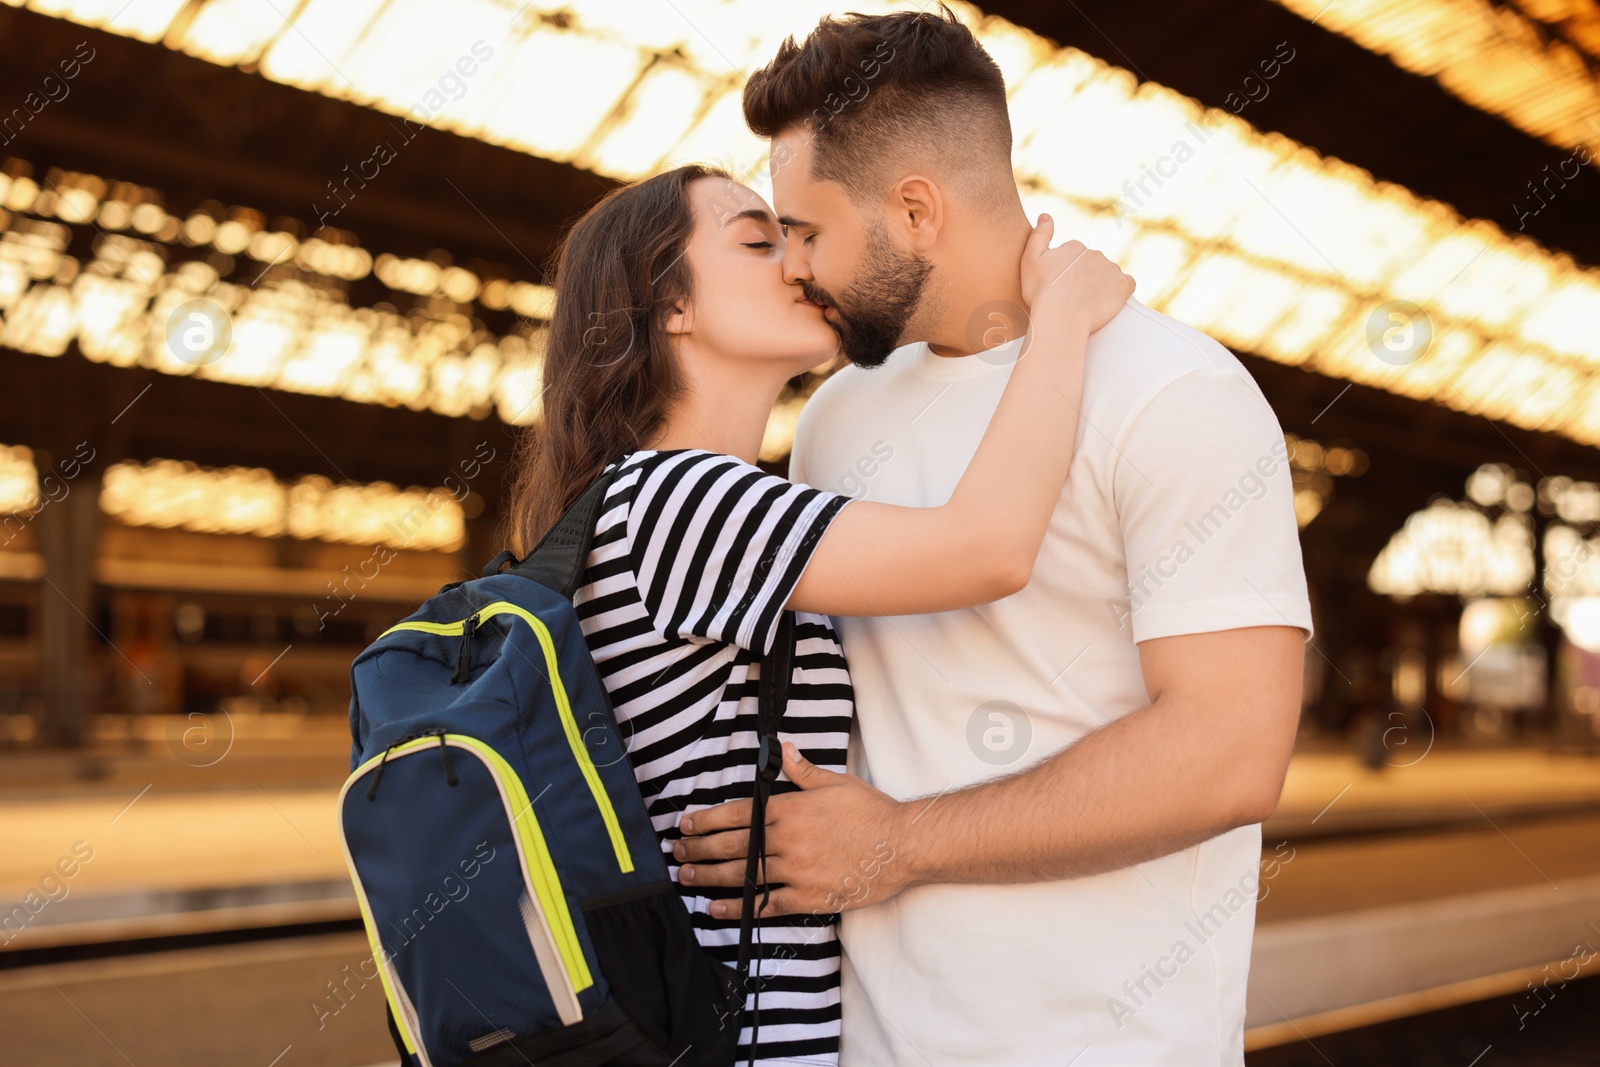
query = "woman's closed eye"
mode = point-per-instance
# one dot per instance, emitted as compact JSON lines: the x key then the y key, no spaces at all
{"x":757,"y":244}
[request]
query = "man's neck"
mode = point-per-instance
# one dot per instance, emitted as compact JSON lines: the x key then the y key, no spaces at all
{"x":983,"y":306}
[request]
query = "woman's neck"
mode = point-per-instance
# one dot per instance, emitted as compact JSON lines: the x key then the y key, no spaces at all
{"x":720,"y":412}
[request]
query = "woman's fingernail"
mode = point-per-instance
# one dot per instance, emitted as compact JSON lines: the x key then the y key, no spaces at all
{"x":685,"y":874}
{"x":679,"y":852}
{"x":686,"y":825}
{"x":719,"y":909}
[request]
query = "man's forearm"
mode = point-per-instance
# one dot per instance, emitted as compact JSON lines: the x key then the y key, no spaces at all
{"x":1153,"y":782}
{"x":1208,"y":754}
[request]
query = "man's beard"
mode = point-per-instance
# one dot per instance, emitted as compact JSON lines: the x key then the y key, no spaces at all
{"x":871,"y":315}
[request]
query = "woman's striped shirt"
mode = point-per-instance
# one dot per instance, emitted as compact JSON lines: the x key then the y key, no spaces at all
{"x":694,"y":555}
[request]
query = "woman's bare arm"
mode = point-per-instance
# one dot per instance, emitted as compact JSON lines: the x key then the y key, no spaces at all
{"x":884,"y":559}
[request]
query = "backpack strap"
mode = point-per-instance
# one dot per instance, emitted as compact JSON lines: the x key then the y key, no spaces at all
{"x":557,"y":561}
{"x":776,"y":666}
{"x":774,"y":699}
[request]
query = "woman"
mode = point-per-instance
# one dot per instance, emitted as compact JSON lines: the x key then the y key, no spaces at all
{"x":674,"y":331}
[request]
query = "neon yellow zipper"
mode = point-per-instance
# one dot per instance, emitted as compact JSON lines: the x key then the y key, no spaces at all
{"x":591,"y":775}
{"x":544,"y":881}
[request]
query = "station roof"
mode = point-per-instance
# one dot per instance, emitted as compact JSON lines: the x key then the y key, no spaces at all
{"x":1281,"y":229}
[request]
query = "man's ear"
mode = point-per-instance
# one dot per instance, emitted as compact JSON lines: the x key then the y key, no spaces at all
{"x":916,"y":210}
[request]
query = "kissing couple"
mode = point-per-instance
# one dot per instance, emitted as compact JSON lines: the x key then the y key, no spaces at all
{"x":1038,"y":543}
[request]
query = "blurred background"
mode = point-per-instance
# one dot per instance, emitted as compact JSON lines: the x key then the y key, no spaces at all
{"x":272,"y":300}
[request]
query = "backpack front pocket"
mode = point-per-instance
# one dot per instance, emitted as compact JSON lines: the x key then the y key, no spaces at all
{"x":464,"y":629}
{"x":444,"y":826}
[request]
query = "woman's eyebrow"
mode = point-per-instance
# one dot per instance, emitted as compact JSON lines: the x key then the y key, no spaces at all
{"x":759,"y":214}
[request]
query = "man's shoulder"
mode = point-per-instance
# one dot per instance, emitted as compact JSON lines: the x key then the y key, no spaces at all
{"x":851,"y":396}
{"x":851,"y":383}
{"x":1141,"y":354}
{"x":835,"y":389}
{"x":1142,"y":344}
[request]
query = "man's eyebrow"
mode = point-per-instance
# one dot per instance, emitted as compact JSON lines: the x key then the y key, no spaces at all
{"x":785,"y":220}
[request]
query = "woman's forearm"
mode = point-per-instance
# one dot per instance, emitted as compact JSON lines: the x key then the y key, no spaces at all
{"x":979,"y":546}
{"x":1003,"y":503}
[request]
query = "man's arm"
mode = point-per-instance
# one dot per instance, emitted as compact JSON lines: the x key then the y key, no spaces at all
{"x":1208,"y":754}
{"x":1220,"y":637}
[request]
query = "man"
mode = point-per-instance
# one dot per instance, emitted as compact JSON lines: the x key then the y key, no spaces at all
{"x":1050,"y":853}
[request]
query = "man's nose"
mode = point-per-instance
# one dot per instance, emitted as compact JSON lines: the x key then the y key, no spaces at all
{"x":795,"y":267}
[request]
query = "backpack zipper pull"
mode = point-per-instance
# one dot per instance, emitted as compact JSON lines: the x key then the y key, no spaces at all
{"x":372,"y":790}
{"x":444,"y":758}
{"x":464,"y":653}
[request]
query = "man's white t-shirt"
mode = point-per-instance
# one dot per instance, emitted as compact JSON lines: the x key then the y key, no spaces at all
{"x":1177,"y":518}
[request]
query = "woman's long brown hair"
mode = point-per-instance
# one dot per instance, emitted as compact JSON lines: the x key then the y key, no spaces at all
{"x":609,"y":372}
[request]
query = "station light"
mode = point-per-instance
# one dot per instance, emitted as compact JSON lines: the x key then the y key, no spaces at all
{"x":243,"y":500}
{"x":1531,"y":62}
{"x":1249,"y":235}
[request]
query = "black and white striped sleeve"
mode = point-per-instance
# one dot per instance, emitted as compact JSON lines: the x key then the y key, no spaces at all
{"x":718,"y":545}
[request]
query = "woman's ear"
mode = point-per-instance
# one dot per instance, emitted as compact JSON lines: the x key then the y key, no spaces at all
{"x":680,"y":319}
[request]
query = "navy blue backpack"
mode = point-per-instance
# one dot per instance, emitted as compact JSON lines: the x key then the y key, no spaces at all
{"x":512,"y":887}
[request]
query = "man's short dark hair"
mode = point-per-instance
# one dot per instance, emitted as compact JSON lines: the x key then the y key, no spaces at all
{"x":881,"y":93}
